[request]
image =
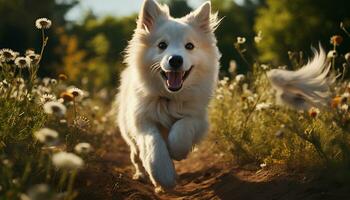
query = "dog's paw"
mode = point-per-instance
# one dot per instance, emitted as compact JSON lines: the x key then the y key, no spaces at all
{"x":139,"y":176}
{"x":159,"y":190}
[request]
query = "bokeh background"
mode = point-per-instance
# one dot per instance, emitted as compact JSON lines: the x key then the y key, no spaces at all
{"x":88,"y":36}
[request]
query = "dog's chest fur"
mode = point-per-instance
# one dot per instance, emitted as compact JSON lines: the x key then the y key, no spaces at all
{"x":166,"y":111}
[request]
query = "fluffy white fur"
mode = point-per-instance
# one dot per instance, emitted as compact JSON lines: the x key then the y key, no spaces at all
{"x":160,"y":125}
{"x":306,"y":87}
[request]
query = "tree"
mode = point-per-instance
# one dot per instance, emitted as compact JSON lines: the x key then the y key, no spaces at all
{"x":238,"y":21}
{"x":295,"y":25}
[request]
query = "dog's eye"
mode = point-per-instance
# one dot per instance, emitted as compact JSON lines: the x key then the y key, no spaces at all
{"x":189,"y":46}
{"x":162,"y":45}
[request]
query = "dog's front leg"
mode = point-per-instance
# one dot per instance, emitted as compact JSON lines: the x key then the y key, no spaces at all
{"x":184,"y":134}
{"x":155,"y":156}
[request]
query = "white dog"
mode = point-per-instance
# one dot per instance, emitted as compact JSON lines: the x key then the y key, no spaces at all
{"x":172,"y":70}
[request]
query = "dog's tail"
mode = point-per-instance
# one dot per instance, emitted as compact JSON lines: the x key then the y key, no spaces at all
{"x":306,"y":87}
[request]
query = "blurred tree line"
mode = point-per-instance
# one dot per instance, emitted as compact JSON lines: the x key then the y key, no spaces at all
{"x":91,"y":51}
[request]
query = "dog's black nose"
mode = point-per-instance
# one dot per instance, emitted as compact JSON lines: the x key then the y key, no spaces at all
{"x":175,"y":61}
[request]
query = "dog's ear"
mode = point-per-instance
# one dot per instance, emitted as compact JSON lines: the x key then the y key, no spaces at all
{"x":150,"y":12}
{"x":203,"y":19}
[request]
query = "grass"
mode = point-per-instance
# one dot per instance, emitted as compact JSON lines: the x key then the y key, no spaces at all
{"x":252,"y":127}
{"x":31,"y":164}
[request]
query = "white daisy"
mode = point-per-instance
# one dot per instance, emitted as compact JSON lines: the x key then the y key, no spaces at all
{"x":347,"y":57}
{"x":233,"y":67}
{"x":47,"y":98}
{"x":241,"y":40}
{"x":83,"y":148}
{"x":43,"y":23}
{"x":262,"y":106}
{"x":55,"y":107}
{"x":8,"y":54}
{"x":46,"y":136}
{"x":22,"y":62}
{"x":34,"y":58}
{"x":40,"y":192}
{"x":239,"y":77}
{"x":76,"y":92}
{"x":70,"y":161}
{"x":344,"y":107}
{"x":332,"y":54}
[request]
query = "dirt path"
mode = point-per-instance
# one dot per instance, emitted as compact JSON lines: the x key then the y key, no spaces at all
{"x":204,"y":175}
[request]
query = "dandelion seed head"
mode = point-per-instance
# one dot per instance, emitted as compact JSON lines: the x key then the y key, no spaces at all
{"x":83,"y":148}
{"x":55,"y":107}
{"x":82,"y":123}
{"x":43,"y":23}
{"x":70,"y":161}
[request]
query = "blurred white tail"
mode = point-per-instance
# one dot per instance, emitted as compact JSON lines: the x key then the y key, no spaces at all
{"x":306,"y":87}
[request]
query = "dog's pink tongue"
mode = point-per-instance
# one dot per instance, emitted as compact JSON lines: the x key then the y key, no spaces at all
{"x":174,"y":80}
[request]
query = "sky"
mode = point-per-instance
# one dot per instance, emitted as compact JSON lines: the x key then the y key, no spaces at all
{"x":112,"y":7}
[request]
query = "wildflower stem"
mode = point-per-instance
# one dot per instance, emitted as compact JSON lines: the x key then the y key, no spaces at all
{"x":44,"y":42}
{"x":237,"y":47}
{"x":71,"y":180}
{"x":333,"y":59}
{"x":26,"y":172}
{"x":48,"y":172}
{"x":62,"y":179}
{"x":74,"y":108}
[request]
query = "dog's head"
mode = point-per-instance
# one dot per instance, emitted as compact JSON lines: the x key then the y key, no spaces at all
{"x":176,"y":52}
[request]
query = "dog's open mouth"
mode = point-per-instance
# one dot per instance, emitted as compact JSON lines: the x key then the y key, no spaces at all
{"x":175,"y":79}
